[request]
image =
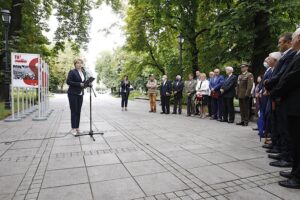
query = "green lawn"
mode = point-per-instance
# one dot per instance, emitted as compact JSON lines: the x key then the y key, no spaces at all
{"x":3,"y":112}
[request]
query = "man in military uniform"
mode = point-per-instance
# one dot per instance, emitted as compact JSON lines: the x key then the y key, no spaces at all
{"x":190,"y":90}
{"x":244,"y":87}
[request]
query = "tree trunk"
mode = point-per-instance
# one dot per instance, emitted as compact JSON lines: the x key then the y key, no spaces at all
{"x":262,"y":42}
{"x":14,"y":28}
{"x":194,"y":56}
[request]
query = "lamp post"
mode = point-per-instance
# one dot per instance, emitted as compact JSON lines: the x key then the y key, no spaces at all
{"x":6,"y":21}
{"x":180,"y":41}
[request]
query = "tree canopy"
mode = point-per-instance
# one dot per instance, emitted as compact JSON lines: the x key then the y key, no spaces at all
{"x":216,"y":33}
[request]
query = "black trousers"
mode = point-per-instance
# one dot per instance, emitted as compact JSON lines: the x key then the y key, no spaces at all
{"x":75,"y":102}
{"x":124,"y":100}
{"x":165,"y":104}
{"x":280,"y":135}
{"x":177,"y":102}
{"x":293,"y":124}
{"x":209,"y":99}
{"x":228,"y":109}
{"x":282,"y":127}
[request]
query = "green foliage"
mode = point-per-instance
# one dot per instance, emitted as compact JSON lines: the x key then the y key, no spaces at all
{"x":107,"y":69}
{"x":217,"y":33}
{"x":29,"y":21}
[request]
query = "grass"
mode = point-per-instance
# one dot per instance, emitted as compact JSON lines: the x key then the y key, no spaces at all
{"x":5,"y":113}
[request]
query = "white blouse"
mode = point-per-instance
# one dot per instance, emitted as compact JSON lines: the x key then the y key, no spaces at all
{"x":203,"y":87}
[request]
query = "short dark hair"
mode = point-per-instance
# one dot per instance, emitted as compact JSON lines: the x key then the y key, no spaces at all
{"x":287,"y":37}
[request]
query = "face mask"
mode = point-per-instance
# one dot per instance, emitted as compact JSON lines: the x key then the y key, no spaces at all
{"x":266,"y":65}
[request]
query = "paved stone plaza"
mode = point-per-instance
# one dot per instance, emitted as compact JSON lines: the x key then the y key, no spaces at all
{"x":141,"y":156}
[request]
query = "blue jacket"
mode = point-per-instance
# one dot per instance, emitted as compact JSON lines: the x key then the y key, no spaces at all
{"x":74,"y":81}
{"x":216,"y":83}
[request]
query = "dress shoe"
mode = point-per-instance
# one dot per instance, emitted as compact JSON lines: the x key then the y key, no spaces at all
{"x":240,"y":123}
{"x":174,"y":113}
{"x":230,"y":122}
{"x":275,"y":156}
{"x":167,"y":113}
{"x":273,"y":151}
{"x":281,"y":163}
{"x":150,"y":111}
{"x":162,"y":113}
{"x":223,"y":120}
{"x":285,"y":174}
{"x":255,"y":129}
{"x":267,"y":146}
{"x":245,"y":124}
{"x":290,"y":183}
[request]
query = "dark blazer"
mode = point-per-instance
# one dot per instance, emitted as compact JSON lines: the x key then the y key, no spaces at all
{"x":74,"y":81}
{"x":229,"y":86}
{"x":279,"y":69}
{"x":216,"y":83}
{"x":125,"y":87}
{"x":288,"y":87}
{"x":178,"y":88}
{"x":165,"y":88}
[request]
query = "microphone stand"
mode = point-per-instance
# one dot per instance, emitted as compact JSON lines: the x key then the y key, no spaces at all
{"x":91,"y":133}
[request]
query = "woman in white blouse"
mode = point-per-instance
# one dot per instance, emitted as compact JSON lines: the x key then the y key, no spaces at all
{"x":202,"y":93}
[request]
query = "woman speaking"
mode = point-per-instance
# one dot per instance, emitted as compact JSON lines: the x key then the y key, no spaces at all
{"x":75,"y":80}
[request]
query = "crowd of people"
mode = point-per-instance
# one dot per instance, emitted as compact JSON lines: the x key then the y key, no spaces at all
{"x":207,"y":97}
{"x":275,"y":94}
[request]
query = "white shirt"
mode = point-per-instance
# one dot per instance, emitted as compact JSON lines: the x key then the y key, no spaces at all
{"x":81,"y":75}
{"x":82,"y":79}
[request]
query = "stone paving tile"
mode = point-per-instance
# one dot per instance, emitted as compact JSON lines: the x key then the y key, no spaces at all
{"x":107,"y":172}
{"x":74,"y":192}
{"x":191,"y":161}
{"x":284,"y":193}
{"x":9,"y":184}
{"x":160,"y":183}
{"x":242,"y":169}
{"x":65,"y":177}
{"x":125,"y":189}
{"x":104,"y":159}
{"x":213,"y":174}
{"x":133,"y":156}
{"x":137,"y":158}
{"x":255,"y":193}
{"x":63,"y":163}
{"x":144,"y":167}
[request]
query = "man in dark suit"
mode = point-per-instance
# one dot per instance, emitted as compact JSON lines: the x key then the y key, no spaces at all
{"x":280,"y":137}
{"x":75,"y":80}
{"x":228,"y":92}
{"x":217,"y":101}
{"x":178,"y":86}
{"x":165,"y":93}
{"x":288,"y":91}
